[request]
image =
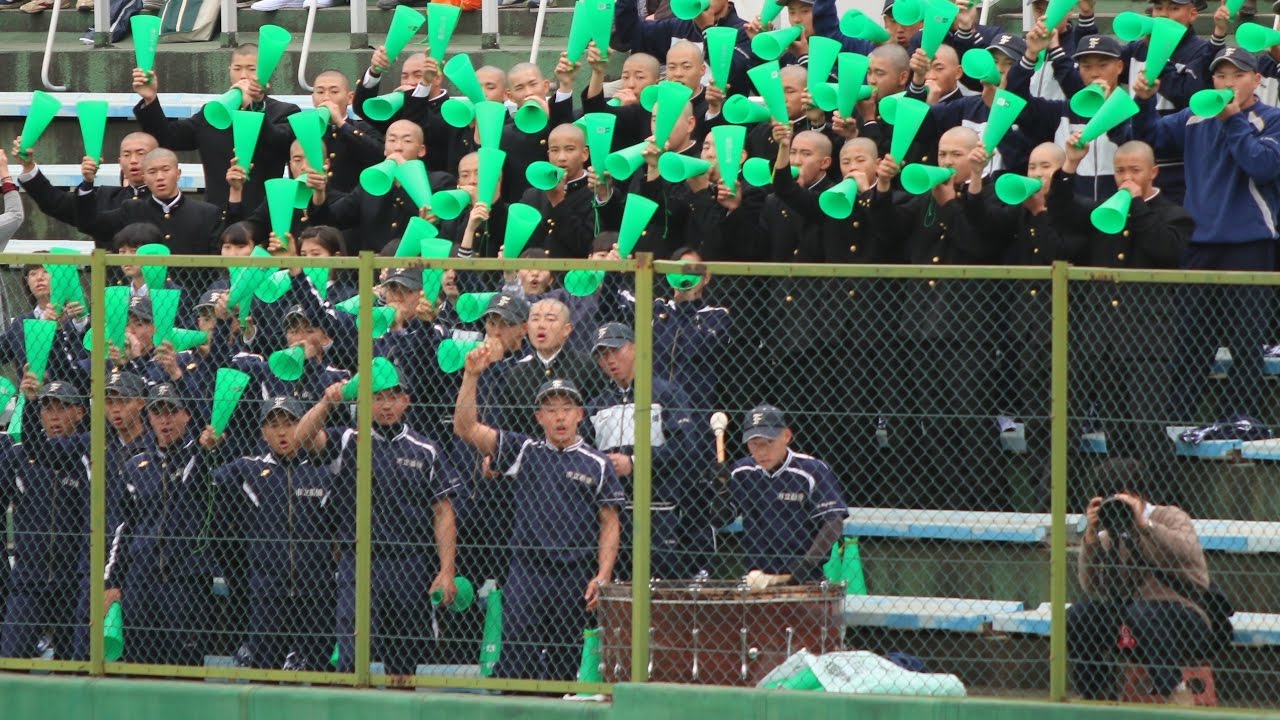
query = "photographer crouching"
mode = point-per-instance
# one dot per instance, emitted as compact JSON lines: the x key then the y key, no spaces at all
{"x":1141,"y":566}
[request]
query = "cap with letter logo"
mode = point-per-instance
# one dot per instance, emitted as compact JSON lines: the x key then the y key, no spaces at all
{"x":513,"y":310}
{"x":166,"y":395}
{"x":63,"y":392}
{"x":558,"y":387}
{"x":292,"y":407}
{"x":1102,"y":45}
{"x":764,"y":421}
{"x":126,"y":384}
{"x":1246,"y":61}
{"x":613,"y":335}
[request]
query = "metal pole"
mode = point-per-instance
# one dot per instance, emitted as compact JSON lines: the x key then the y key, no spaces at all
{"x":537,"y":31}
{"x":230,"y":23}
{"x":97,"y":457}
{"x":48,"y":51}
{"x":101,"y":22}
{"x":306,"y":46}
{"x":642,"y":473}
{"x":364,"y":473}
{"x":359,"y":27}
{"x":1058,"y":471}
{"x":489,"y":25}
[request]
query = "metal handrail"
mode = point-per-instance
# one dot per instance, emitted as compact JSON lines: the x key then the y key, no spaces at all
{"x":489,"y":24}
{"x":48,"y":51}
{"x":312,"y":6}
{"x":230,"y":23}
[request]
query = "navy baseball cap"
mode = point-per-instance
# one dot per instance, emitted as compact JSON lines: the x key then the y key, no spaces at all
{"x":408,"y":279}
{"x":292,"y":407}
{"x":165,"y":394}
{"x":558,"y":387}
{"x":1246,"y":61}
{"x":1012,"y":45}
{"x":63,"y":392}
{"x":209,"y":299}
{"x":765,"y":421}
{"x":126,"y":384}
{"x":297,"y":311}
{"x":140,"y":307}
{"x":513,"y":310}
{"x":613,"y":335}
{"x":1104,"y":45}
{"x":888,"y":5}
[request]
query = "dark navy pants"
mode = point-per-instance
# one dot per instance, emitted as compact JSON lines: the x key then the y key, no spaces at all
{"x":401,"y":614}
{"x":166,"y":621}
{"x":1168,"y":635}
{"x":61,"y":609}
{"x":281,"y":624}
{"x":543,"y":616}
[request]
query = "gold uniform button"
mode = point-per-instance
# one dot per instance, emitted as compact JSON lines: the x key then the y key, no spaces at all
{"x":333,"y":155}
{"x":1120,"y":257}
{"x":167,"y":237}
{"x":542,"y":141}
{"x":856,"y":224}
{"x":166,"y":216}
{"x":853,"y":248}
{"x":1033,"y":292}
{"x":853,"y":293}
{"x":1124,"y":234}
{"x":394,"y":225}
{"x":787,"y":299}
{"x":933,"y":283}
{"x":547,"y":372}
{"x":1033,"y":232}
{"x":1115,"y":303}
{"x":937,"y":258}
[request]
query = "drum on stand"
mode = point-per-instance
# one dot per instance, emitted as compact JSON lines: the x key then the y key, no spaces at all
{"x":719,"y":632}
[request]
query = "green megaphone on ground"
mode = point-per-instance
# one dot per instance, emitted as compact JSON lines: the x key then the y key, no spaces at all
{"x":980,"y":65}
{"x":838,"y":201}
{"x":1255,"y":38}
{"x":771,"y":45}
{"x":856,"y":24}
{"x":1111,"y":216}
{"x":1087,"y":101}
{"x":1015,"y":189}
{"x":919,"y":179}
{"x":1117,"y":108}
{"x":1210,"y":102}
{"x":674,"y":167}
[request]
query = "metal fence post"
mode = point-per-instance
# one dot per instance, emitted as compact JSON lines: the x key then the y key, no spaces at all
{"x":1058,"y":469}
{"x":489,"y":25}
{"x":359,"y":25}
{"x":643,"y":470}
{"x":97,"y":459}
{"x":364,"y":474}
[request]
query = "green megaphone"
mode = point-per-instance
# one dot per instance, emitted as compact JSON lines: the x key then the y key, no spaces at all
{"x":675,"y":168}
{"x":636,"y":214}
{"x":384,"y":107}
{"x":768,"y":81}
{"x":689,"y":9}
{"x":908,"y":12}
{"x":145,"y":30}
{"x":543,"y":175}
{"x":385,"y":375}
{"x":758,"y":172}
{"x":228,"y":387}
{"x":980,"y":65}
{"x":1088,"y":101}
{"x":217,"y":112}
{"x":246,"y":127}
{"x":1056,"y":12}
{"x":1255,"y":38}
{"x":530,"y":117}
{"x":592,"y":20}
{"x":721,"y":44}
{"x":522,"y":220}
{"x":442,"y":20}
{"x":599,"y":129}
{"x":378,"y":179}
{"x":908,"y":116}
{"x":183,"y":339}
{"x":451,"y":354}
{"x":44,"y":107}
{"x":412,"y":176}
{"x":672,"y":100}
{"x":771,"y":45}
{"x":463,"y":600}
{"x":729,"y":141}
{"x":309,"y":128}
{"x":1115,"y":110}
{"x":489,"y":173}
{"x":823,"y":54}
{"x":856,"y":24}
{"x":1015,"y":189}
{"x":471,"y":306}
{"x":490,"y":117}
{"x":741,"y":110}
{"x":164,"y":311}
{"x":1130,"y":26}
{"x":288,"y":364}
{"x":93,"y":125}
{"x":458,"y":111}
{"x":462,"y":73}
{"x":274,"y":287}
{"x":449,"y":204}
{"x":919,"y":179}
{"x":1111,"y":216}
{"x":1166,"y":33}
{"x":582,"y":283}
{"x":282,"y":195}
{"x":273,"y":41}
{"x":1210,"y":103}
{"x":851,"y":71}
{"x":154,"y":275}
{"x":624,"y":163}
{"x":37,"y":342}
{"x":838,"y":201}
{"x":405,"y":23}
{"x":1005,"y":109}
{"x":113,"y":633}
{"x":938,"y":17}
{"x":1233,"y":7}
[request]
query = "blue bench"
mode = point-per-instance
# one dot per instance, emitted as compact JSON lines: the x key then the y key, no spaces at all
{"x":120,"y":105}
{"x":109,"y":175}
{"x":896,"y":612}
{"x":1255,"y":629}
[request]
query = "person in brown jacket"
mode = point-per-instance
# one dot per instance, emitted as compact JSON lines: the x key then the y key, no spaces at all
{"x":1138,"y":564}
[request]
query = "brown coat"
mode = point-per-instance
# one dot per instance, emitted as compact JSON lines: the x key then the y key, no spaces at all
{"x":1168,"y":543}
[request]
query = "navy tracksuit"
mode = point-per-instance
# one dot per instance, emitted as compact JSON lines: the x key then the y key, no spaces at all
{"x":49,"y":490}
{"x":160,"y":554}
{"x":555,"y":547}
{"x":681,"y":459}
{"x":273,"y":515}
{"x":410,"y":476}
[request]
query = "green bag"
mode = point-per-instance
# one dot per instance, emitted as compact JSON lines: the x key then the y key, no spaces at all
{"x":845,"y":565}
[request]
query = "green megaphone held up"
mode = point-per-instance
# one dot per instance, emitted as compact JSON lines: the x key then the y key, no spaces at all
{"x":1130,"y":26}
{"x":721,"y":44}
{"x":1115,"y":110}
{"x":44,"y":107}
{"x":624,"y":163}
{"x":1111,"y":216}
{"x":771,"y":45}
{"x":384,"y":107}
{"x":1210,"y":102}
{"x":689,"y":9}
{"x":674,"y":167}
{"x":1087,"y":101}
{"x":856,"y":24}
{"x":378,"y":179}
{"x":938,"y":17}
{"x":741,"y":110}
{"x":273,"y":41}
{"x":1255,"y":38}
{"x":980,"y":65}
{"x":530,"y":117}
{"x":1166,"y":33}
{"x":838,"y":201}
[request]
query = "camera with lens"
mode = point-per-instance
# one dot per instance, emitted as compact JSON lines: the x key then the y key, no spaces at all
{"x":1116,"y":517}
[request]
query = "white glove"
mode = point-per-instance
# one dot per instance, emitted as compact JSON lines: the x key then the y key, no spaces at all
{"x":757,"y":580}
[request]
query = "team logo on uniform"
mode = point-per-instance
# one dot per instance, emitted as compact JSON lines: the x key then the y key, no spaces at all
{"x":1004,"y":39}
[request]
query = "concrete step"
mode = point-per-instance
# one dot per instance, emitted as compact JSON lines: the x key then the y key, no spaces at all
{"x":511,"y":21}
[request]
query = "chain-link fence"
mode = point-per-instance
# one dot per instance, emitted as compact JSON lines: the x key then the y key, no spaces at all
{"x":876,"y":479}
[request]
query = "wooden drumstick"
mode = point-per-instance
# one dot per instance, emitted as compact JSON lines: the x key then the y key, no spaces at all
{"x":719,"y":423}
